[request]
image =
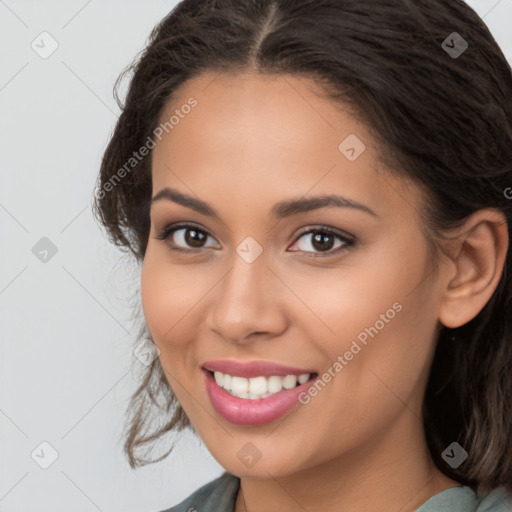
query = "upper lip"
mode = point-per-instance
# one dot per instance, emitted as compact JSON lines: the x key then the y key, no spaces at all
{"x":253,"y":368}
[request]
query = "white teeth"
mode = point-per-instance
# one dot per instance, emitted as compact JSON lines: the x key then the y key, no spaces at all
{"x":290,"y":381}
{"x":274,"y":384}
{"x":303,"y":378}
{"x":257,"y":387}
{"x":226,"y":381}
{"x":239,"y":385}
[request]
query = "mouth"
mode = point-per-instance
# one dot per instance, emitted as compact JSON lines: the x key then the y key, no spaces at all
{"x":257,"y":400}
{"x":259,"y":387}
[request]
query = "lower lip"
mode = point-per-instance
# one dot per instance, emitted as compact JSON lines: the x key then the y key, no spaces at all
{"x":242,"y":411}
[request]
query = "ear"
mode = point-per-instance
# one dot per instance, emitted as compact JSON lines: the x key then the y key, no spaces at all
{"x":475,"y":268}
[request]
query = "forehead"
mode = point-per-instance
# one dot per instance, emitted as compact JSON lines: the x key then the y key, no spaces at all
{"x":274,"y":110}
{"x":265,"y":136}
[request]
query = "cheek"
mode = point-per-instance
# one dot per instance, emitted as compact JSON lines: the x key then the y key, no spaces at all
{"x":380,"y":317}
{"x":343,"y":302}
{"x":169,"y":294}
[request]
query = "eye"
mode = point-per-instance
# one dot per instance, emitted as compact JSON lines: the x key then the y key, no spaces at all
{"x":187,"y":237}
{"x":323,"y":240}
{"x":184,"y":237}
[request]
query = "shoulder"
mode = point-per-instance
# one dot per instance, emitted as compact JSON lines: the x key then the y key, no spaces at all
{"x":218,"y":495}
{"x":497,"y":500}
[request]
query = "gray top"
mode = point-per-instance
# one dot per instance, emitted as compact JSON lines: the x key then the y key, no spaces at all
{"x":219,"y":495}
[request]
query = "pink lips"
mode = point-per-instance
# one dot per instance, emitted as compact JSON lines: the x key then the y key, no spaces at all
{"x":253,"y":369}
{"x":242,"y":411}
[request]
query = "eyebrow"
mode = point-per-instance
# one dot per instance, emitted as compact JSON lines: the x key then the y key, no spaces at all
{"x":280,"y":210}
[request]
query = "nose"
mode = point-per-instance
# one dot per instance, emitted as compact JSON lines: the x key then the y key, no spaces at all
{"x":248,"y":303}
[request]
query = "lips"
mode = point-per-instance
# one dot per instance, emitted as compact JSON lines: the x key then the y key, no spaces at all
{"x":253,"y":411}
{"x":254,"y":368}
{"x":241,"y":411}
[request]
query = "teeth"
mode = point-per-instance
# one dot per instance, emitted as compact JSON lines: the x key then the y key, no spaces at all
{"x":274,"y":384}
{"x":290,"y":381}
{"x":239,"y":385}
{"x":303,"y":378}
{"x":257,"y":387}
{"x":226,"y":382}
{"x":219,"y":378}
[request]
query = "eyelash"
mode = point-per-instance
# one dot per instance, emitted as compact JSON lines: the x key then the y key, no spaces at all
{"x":348,"y":241}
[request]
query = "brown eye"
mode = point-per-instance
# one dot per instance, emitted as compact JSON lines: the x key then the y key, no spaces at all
{"x":323,"y":240}
{"x":193,"y":237}
{"x":184,"y":237}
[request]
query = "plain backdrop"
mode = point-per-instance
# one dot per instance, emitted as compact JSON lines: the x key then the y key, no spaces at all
{"x":67,"y":335}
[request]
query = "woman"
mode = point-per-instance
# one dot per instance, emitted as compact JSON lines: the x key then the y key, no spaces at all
{"x":317,"y":193}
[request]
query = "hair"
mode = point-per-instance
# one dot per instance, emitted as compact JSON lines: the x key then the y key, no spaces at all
{"x":442,"y":121}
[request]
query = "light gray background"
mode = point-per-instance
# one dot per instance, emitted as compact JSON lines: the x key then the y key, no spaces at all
{"x":67,"y":332}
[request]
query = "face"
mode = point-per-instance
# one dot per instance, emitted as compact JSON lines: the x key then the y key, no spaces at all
{"x":345,"y":291}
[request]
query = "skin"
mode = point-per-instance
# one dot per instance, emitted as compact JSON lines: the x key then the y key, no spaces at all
{"x":250,"y":142}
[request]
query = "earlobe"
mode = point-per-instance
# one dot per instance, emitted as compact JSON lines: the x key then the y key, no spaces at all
{"x":478,"y":262}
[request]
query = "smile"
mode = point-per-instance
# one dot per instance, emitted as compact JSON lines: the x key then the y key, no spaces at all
{"x":258,"y":387}
{"x":257,"y":399}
